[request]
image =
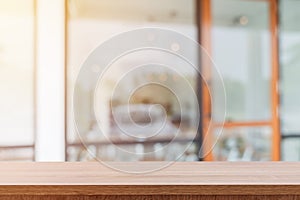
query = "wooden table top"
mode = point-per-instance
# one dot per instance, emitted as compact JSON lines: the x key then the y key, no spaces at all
{"x":179,"y":178}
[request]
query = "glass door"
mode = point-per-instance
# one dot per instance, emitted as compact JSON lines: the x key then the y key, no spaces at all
{"x":243,"y":46}
{"x":92,"y":22}
{"x":290,"y":68}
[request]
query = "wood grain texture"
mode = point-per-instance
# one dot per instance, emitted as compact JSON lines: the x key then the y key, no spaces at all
{"x":151,"y":197}
{"x":181,"y":180}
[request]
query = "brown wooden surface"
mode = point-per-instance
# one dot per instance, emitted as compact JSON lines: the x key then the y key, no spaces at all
{"x":179,"y":179}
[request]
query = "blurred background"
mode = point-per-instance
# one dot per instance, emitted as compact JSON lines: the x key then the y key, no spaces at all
{"x":254,"y":43}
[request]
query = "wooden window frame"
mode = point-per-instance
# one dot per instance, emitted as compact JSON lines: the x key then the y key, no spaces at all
{"x":204,"y":24}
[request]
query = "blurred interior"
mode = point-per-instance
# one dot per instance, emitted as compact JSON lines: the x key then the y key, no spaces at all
{"x":43,"y":44}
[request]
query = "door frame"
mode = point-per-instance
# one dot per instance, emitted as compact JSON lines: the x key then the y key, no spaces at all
{"x":204,"y":22}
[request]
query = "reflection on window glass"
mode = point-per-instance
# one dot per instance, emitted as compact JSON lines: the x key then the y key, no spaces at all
{"x":243,"y":144}
{"x":16,"y":154}
{"x":291,"y":149}
{"x":290,"y":66}
{"x":290,"y":69}
{"x":16,"y":75}
{"x":91,"y":23}
{"x":241,"y":44}
{"x":241,"y":50}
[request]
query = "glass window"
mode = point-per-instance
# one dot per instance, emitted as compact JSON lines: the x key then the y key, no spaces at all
{"x":290,"y":66}
{"x":17,"y":76}
{"x":92,"y":22}
{"x":241,"y":49}
{"x":289,"y":88}
{"x":244,"y":144}
{"x":290,"y":149}
{"x":16,"y":153}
